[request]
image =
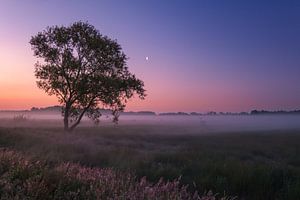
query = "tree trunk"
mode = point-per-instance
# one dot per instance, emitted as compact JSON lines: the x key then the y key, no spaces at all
{"x":78,"y":120}
{"x":66,"y":117}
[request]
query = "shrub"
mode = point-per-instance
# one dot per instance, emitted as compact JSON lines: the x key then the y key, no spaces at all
{"x":20,"y":118}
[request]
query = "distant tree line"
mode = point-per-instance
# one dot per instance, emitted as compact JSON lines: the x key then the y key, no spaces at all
{"x":103,"y":111}
{"x":211,"y":113}
{"x":264,"y":112}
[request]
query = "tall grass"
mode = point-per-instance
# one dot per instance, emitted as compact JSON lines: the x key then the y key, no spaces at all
{"x":250,"y":165}
{"x":21,"y":178}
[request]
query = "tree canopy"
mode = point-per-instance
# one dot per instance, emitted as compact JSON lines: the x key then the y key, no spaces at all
{"x":85,"y":70}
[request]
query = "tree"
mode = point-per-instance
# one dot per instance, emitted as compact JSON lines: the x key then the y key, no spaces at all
{"x":85,"y":70}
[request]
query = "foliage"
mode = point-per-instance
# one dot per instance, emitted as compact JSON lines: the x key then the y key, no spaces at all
{"x":84,"y":69}
{"x":22,"y":178}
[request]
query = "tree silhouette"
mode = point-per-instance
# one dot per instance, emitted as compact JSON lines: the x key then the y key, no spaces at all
{"x":85,"y":70}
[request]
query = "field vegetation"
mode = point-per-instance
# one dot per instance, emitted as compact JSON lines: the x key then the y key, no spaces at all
{"x":246,"y":164}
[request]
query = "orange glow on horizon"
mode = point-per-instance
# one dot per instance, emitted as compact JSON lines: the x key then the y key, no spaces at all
{"x":168,"y":88}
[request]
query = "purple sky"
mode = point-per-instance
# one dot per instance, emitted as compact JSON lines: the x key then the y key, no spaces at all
{"x":203,"y":55}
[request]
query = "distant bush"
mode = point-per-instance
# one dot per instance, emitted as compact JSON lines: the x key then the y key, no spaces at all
{"x":20,"y":118}
{"x":21,"y":178}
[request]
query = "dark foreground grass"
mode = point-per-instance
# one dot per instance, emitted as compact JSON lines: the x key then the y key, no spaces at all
{"x":22,"y":178}
{"x":251,"y":165}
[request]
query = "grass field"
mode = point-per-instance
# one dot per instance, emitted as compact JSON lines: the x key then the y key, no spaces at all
{"x":253,"y":164}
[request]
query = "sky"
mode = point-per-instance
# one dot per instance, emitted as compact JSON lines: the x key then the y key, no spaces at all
{"x":202,"y":55}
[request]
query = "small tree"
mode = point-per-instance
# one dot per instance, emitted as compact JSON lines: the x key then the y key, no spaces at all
{"x":84,"y":69}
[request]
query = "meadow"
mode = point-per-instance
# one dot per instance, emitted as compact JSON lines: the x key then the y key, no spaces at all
{"x":246,"y":157}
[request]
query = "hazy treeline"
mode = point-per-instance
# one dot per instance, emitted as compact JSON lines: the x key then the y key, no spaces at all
{"x":109,"y":111}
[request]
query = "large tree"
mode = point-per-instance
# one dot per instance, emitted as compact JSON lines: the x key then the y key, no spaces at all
{"x":85,"y":70}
